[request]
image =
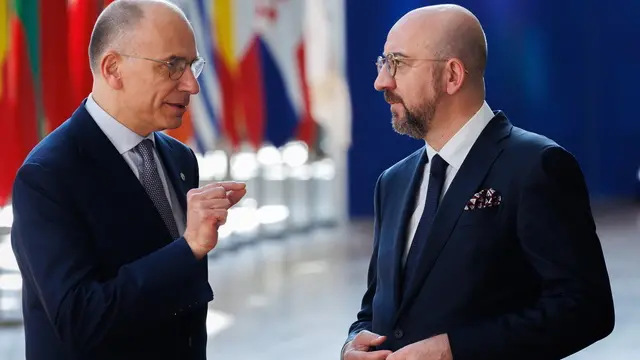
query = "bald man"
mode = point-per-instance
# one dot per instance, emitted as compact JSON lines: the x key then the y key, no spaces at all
{"x":111,"y":232}
{"x":485,"y":247}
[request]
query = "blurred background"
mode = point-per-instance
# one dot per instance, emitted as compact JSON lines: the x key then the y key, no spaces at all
{"x":287,"y":104}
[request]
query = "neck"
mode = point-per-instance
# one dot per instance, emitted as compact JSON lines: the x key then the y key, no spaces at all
{"x":448,"y":120}
{"x":107,"y":100}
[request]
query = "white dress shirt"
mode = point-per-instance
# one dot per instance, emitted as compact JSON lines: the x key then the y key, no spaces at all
{"x":453,"y":152}
{"x":124,"y":141}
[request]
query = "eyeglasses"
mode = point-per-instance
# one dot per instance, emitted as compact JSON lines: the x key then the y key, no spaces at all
{"x":391,"y":60}
{"x":177,"y":66}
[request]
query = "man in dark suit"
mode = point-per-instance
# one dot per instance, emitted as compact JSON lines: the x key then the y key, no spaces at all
{"x":110,"y":230}
{"x":485,"y":247}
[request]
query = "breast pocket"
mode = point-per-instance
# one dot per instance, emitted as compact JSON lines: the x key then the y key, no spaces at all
{"x":487,"y":217}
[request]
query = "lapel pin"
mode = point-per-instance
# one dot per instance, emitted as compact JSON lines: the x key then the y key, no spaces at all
{"x":182,"y":176}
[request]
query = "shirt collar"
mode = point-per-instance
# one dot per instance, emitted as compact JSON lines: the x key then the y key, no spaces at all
{"x":123,"y":138}
{"x":456,"y":149}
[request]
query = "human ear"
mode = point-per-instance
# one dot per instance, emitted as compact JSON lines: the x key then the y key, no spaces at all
{"x":455,"y":75}
{"x":111,"y":69}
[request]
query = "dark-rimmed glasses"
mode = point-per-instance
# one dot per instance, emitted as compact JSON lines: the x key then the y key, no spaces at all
{"x":177,"y":65}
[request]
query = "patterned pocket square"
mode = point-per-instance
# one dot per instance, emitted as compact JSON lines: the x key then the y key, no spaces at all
{"x":484,"y":199}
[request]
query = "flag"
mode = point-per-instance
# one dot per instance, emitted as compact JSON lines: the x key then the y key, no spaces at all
{"x":237,"y":61}
{"x":325,"y":29}
{"x":248,"y":85}
{"x":225,"y":64}
{"x":19,"y":61}
{"x":54,"y":60}
{"x":288,"y":108}
{"x":82,"y":15}
{"x":205,"y":107}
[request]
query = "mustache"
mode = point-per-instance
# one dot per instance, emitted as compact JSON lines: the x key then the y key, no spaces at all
{"x":391,"y":97}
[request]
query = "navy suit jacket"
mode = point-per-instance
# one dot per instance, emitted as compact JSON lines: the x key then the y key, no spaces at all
{"x":102,"y":277}
{"x":522,"y":280}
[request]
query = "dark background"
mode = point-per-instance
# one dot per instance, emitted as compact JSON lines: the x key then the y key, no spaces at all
{"x":566,"y":69}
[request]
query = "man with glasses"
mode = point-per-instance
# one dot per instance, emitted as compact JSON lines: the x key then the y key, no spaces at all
{"x":484,"y":243}
{"x":111,"y":231}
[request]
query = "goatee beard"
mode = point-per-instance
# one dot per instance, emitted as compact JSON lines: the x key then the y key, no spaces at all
{"x":415,"y":123}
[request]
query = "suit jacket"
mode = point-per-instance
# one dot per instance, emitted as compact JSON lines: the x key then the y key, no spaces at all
{"x":102,"y":277}
{"x":525,"y":279}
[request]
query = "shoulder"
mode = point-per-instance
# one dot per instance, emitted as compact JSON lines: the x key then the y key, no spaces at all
{"x":529,"y":142}
{"x":45,"y":173}
{"x":534,"y":156}
{"x":534,"y":147}
{"x":57,"y":152}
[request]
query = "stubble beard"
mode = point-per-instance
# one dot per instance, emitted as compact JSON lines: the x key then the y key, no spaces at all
{"x":416,"y":122}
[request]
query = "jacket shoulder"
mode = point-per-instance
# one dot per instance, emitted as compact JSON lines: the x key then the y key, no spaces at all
{"x":526,"y":148}
{"x":402,"y":166}
{"x":56,"y":151}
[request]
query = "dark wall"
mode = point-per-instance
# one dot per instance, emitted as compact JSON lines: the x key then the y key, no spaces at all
{"x":566,"y":69}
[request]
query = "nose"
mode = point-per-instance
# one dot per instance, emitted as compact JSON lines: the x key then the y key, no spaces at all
{"x":384,"y":81}
{"x":189,"y":83}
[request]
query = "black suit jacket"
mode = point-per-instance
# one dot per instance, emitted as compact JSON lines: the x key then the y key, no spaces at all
{"x":102,"y":278}
{"x":522,"y":280}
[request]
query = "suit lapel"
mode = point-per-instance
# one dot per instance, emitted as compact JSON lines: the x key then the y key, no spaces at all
{"x":471,"y":174}
{"x":109,"y":169}
{"x":176,"y":175}
{"x":402,"y":210}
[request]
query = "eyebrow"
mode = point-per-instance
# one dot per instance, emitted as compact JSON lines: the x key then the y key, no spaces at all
{"x":177,"y":57}
{"x":174,"y":57}
{"x":397,"y":54}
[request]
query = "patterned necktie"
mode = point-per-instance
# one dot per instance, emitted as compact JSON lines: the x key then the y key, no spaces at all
{"x":437,"y":175}
{"x":150,"y":179}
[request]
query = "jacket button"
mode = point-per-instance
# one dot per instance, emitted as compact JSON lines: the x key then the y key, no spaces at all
{"x":398,"y":333}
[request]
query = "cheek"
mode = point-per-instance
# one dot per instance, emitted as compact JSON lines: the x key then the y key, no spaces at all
{"x":165,"y":88}
{"x":160,"y":92}
{"x":412,"y":92}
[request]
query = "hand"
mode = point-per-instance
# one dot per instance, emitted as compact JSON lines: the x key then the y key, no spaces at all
{"x":434,"y":348}
{"x":206,"y":211}
{"x":358,"y":348}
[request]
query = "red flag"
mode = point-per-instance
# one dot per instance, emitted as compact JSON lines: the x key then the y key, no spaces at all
{"x":82,"y":15}
{"x":18,"y":126}
{"x":307,"y":127}
{"x":56,"y":90}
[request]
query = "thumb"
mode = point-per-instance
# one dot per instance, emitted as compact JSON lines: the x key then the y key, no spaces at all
{"x":236,"y":195}
{"x":377,"y":341}
{"x":367,"y":338}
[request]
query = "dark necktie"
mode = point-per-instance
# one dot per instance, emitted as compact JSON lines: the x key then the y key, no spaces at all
{"x":151,"y":182}
{"x":436,"y":181}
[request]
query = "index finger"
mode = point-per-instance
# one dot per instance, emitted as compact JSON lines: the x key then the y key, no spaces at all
{"x":231,"y":185}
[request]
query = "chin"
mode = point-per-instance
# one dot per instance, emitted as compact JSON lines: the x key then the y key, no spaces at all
{"x":172,"y":123}
{"x":398,"y":123}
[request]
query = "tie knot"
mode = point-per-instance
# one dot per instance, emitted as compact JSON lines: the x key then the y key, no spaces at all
{"x":146,"y":144}
{"x":145,"y":149}
{"x":438,"y":166}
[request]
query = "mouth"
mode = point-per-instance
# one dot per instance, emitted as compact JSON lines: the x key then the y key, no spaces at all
{"x":178,"y":106}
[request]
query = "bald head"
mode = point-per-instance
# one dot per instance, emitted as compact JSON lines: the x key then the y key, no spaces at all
{"x":115,"y":24}
{"x":448,"y":31}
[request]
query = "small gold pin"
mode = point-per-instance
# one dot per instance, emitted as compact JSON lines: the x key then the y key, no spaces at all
{"x":182,"y":176}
